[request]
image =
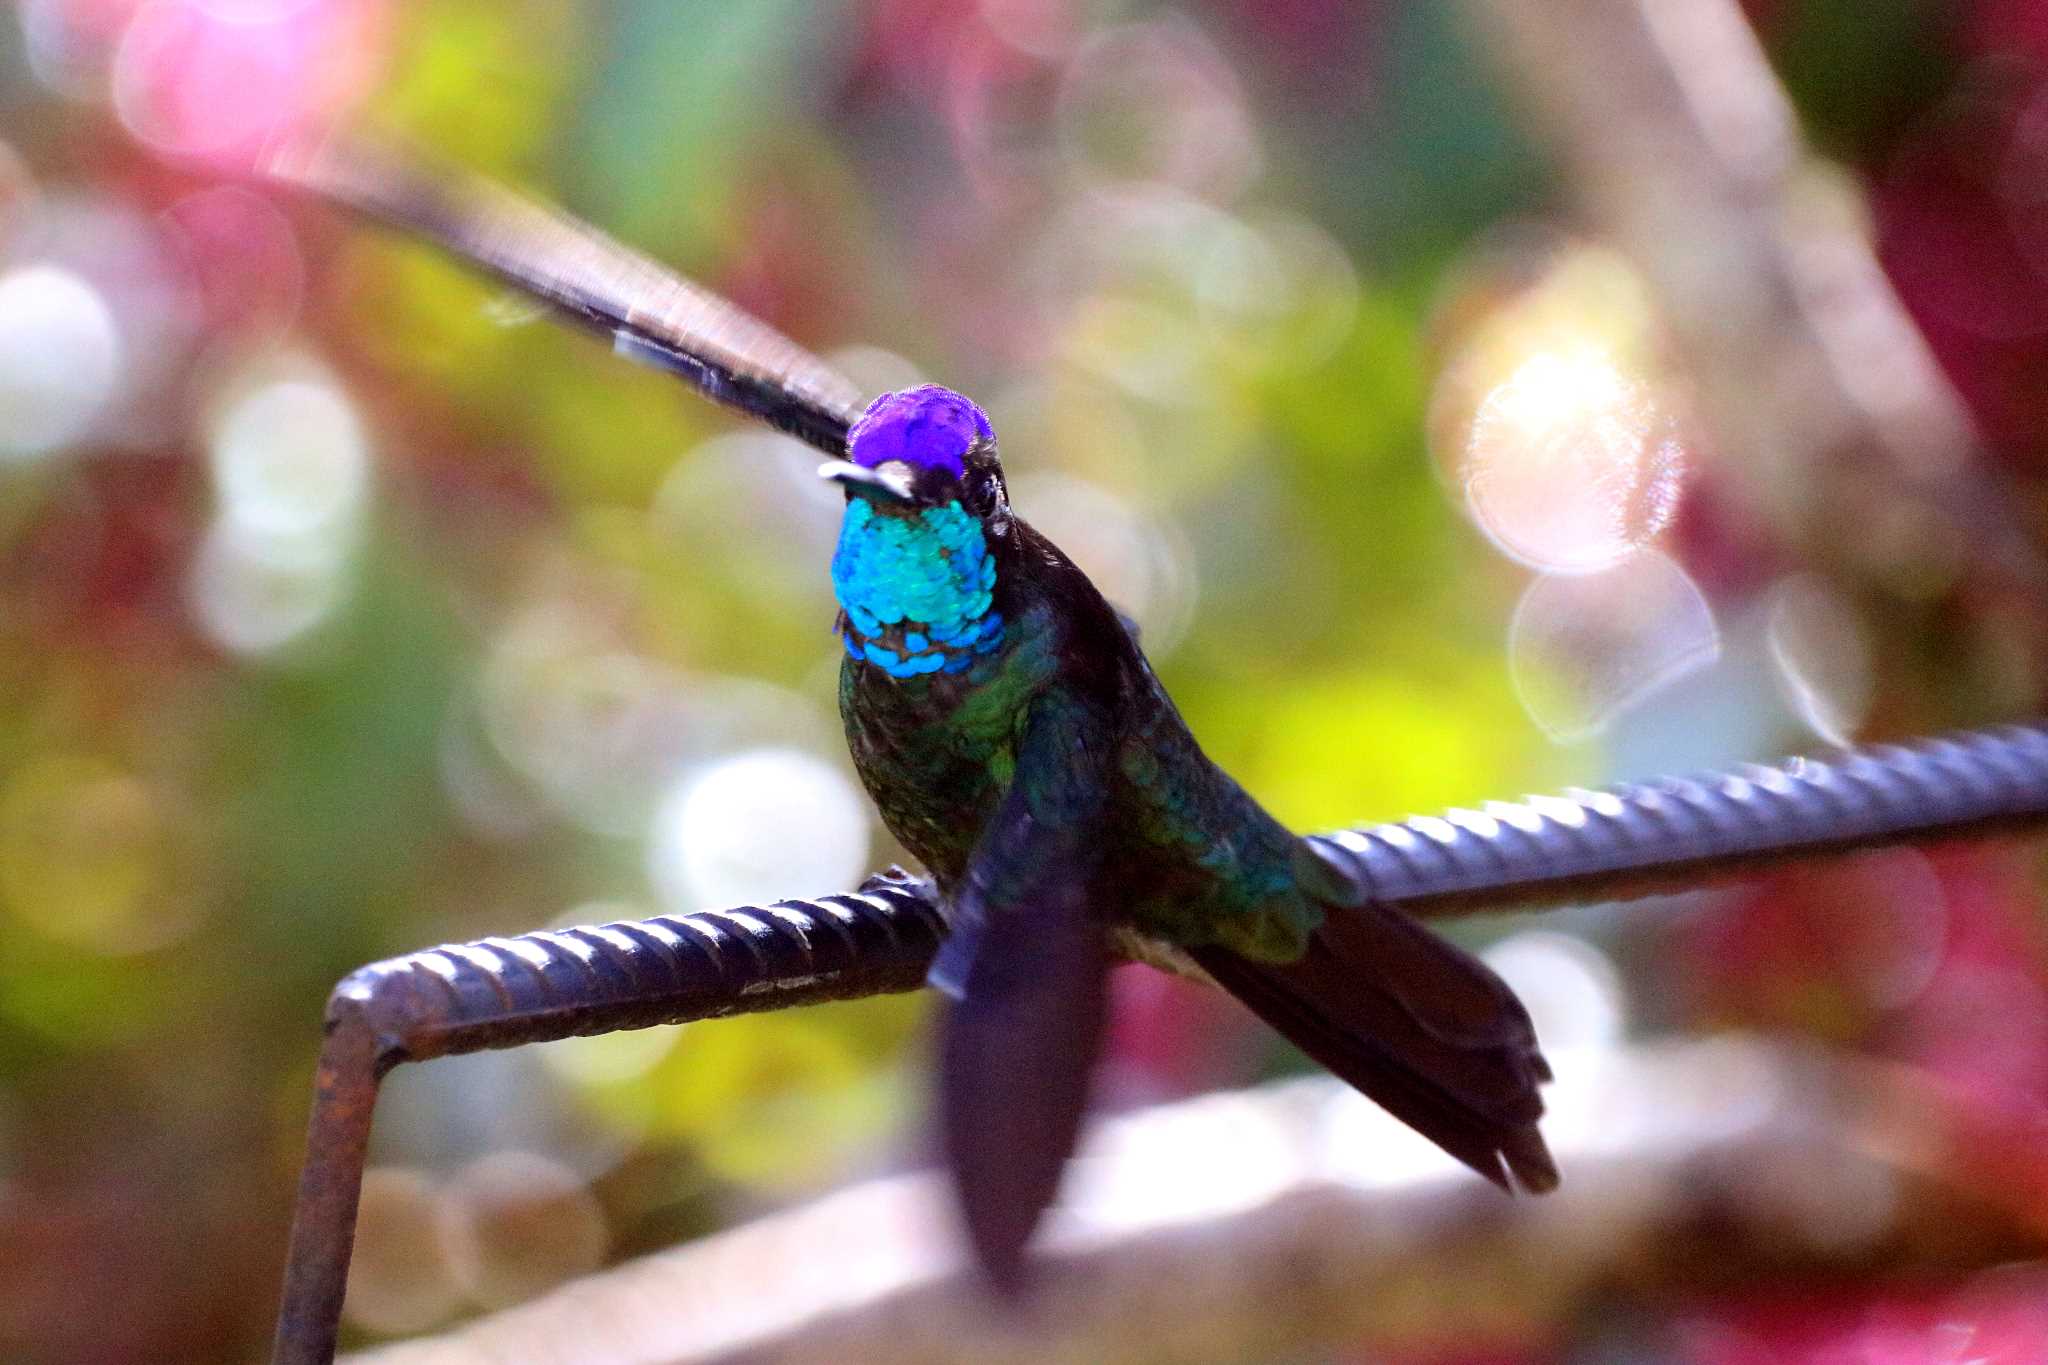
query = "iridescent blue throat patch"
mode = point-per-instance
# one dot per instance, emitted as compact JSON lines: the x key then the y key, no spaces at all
{"x":917,"y":589}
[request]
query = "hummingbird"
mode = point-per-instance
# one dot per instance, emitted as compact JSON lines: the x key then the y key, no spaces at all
{"x":1016,"y":742}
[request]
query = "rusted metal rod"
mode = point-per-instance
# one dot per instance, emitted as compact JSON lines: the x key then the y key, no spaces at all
{"x":1629,"y":840}
{"x":506,"y":992}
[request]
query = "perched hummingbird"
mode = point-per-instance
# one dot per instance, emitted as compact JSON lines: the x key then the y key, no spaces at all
{"x":1016,"y":741}
{"x":1006,"y":723}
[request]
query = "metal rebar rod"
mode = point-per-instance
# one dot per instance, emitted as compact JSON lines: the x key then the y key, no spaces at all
{"x":506,"y":992}
{"x":1628,"y":840}
{"x":1640,"y":838}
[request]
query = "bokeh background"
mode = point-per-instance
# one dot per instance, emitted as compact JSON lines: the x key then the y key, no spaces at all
{"x":346,"y":606}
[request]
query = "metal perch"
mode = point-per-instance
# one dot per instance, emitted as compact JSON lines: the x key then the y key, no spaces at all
{"x":1629,"y":840}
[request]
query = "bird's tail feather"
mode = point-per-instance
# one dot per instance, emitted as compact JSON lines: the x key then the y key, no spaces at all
{"x":1422,"y":1027}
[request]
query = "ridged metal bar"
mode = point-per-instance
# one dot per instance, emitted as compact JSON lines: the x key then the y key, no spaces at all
{"x":506,"y":992}
{"x":1628,"y":840}
{"x":1640,"y":838}
{"x":559,"y":983}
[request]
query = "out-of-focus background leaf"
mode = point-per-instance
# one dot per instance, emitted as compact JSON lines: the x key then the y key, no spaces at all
{"x":345,"y":607}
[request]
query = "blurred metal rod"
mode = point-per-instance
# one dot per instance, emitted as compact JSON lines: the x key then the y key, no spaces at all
{"x":506,"y":992}
{"x":1669,"y":834}
{"x":1680,"y":1155}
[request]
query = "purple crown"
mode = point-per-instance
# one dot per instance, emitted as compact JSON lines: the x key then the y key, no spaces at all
{"x":927,"y":427}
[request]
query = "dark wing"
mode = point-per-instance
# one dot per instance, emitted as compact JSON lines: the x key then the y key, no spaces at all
{"x":1018,"y":1043}
{"x":1422,"y":1027}
{"x":651,"y":313}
